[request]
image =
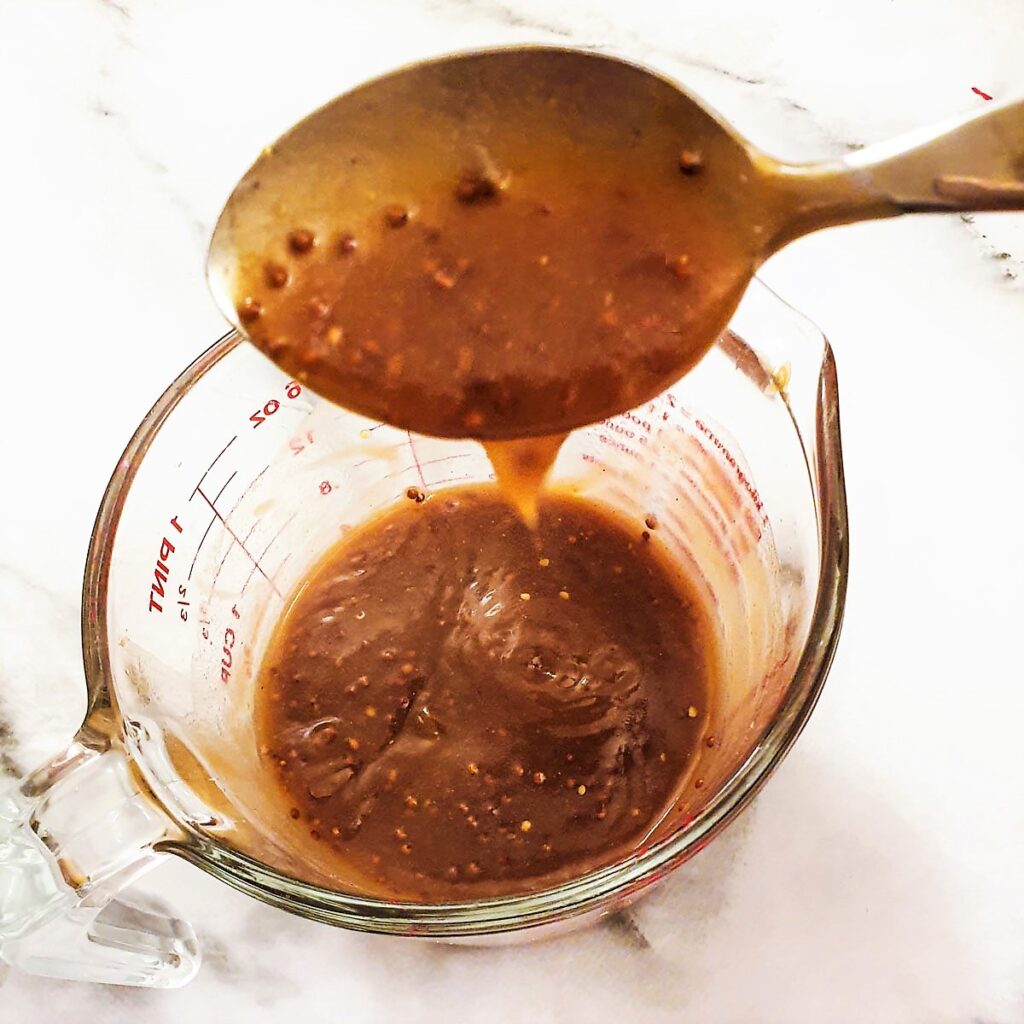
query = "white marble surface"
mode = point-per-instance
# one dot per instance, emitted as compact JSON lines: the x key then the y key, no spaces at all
{"x":880,"y":876}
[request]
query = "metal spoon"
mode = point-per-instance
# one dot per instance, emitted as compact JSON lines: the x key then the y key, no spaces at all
{"x":485,"y":346}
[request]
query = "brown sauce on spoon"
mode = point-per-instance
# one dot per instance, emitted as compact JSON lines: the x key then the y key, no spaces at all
{"x":526,"y":311}
{"x":497,"y":246}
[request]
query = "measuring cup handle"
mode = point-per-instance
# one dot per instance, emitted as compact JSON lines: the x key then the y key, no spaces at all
{"x":72,"y":836}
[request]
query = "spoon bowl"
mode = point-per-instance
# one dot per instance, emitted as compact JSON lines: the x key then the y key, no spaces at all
{"x":518,"y":242}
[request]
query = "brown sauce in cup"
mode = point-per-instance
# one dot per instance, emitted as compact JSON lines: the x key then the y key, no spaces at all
{"x":457,"y":706}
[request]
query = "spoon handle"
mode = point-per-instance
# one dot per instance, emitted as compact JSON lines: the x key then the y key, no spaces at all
{"x":975,"y":162}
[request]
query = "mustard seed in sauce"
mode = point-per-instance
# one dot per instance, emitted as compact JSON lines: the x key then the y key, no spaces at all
{"x":250,"y":310}
{"x":301,"y":241}
{"x":396,"y":216}
{"x":275,"y":275}
{"x":690,"y":162}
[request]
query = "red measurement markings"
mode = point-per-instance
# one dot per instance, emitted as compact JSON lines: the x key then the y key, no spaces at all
{"x":162,"y":571}
{"x":292,"y":390}
{"x":300,"y":442}
{"x":978,"y":92}
{"x":269,"y":409}
{"x":234,"y":536}
{"x":416,"y":459}
{"x":227,"y":554}
{"x":421,"y":464}
{"x":227,"y":656}
{"x":618,"y":445}
{"x":263,"y":554}
{"x":731,"y":459}
{"x":449,"y":480}
{"x":213,"y":519}
{"x":282,"y":564}
{"x":183,"y":602}
{"x":212,"y":464}
{"x":644,"y":425}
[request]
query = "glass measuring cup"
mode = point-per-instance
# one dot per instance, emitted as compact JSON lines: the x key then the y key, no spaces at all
{"x":232,"y":487}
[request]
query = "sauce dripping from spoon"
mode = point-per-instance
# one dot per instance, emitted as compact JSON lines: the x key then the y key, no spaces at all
{"x":511,"y":244}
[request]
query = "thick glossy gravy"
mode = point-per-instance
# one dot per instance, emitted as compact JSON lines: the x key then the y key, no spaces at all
{"x":496,"y":247}
{"x":457,"y":706}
